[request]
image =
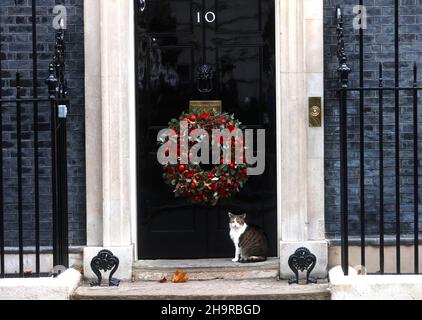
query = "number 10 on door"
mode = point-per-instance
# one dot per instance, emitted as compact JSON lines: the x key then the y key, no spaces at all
{"x":209,"y":17}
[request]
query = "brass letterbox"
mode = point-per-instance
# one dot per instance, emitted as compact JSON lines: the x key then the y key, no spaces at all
{"x":206,"y":106}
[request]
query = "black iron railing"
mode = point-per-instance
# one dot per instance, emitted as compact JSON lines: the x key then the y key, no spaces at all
{"x":55,"y":104}
{"x":345,"y":93}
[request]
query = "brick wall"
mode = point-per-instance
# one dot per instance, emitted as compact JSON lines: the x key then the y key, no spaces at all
{"x":378,"y":47}
{"x":16,"y":56}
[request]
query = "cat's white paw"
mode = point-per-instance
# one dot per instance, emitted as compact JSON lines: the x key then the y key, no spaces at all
{"x":235,"y":259}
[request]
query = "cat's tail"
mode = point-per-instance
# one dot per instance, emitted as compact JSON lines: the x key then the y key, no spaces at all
{"x":253,"y":259}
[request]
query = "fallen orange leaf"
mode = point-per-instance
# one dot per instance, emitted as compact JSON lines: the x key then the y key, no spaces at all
{"x":180,"y":277}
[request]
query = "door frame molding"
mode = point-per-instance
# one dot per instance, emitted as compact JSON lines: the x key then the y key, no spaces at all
{"x":111,"y":127}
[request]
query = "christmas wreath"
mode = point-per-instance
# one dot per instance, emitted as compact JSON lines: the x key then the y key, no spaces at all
{"x":191,"y":181}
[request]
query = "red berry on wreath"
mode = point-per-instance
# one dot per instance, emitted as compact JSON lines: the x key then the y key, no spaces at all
{"x":192,"y":118}
{"x":211,"y":175}
{"x":182,"y":168}
{"x":232,"y":166}
{"x":196,"y":199}
{"x":223,"y":121}
{"x":205,"y":116}
{"x":232,"y":127}
{"x":193,"y":185}
{"x":170,"y":170}
{"x":188,"y":175}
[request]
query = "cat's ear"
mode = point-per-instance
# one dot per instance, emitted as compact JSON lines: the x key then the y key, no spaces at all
{"x":231,"y":215}
{"x":243,"y":216}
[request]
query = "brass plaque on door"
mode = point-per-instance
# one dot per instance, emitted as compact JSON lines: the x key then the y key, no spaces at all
{"x":315,"y":112}
{"x":206,"y":106}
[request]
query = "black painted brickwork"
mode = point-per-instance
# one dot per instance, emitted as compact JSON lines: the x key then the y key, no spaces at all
{"x":378,"y":47}
{"x":16,"y":55}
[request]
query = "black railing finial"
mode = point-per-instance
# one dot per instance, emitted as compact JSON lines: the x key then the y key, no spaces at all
{"x":51,"y":81}
{"x":343,"y":69}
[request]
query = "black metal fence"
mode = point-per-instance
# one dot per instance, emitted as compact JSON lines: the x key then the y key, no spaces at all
{"x":47,"y":133}
{"x":379,"y":93}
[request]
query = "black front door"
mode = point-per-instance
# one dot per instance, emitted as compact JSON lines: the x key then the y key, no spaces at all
{"x":174,"y":38}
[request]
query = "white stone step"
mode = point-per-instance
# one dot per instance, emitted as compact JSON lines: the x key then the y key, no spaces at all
{"x":205,"y":269}
{"x":262,"y":289}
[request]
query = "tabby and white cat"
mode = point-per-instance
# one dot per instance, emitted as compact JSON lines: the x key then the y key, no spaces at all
{"x":250,"y":242}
